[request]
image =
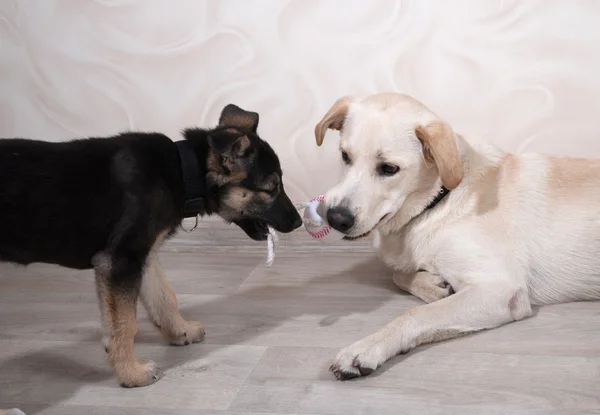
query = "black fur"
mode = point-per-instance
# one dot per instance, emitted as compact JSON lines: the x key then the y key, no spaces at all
{"x":63,"y":203}
{"x":107,"y":202}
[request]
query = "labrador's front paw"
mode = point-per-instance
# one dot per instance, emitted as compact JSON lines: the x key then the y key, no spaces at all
{"x":359,"y":359}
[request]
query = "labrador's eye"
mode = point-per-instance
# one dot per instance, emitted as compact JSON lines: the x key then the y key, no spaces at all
{"x":386,"y":169}
{"x":346,"y":157}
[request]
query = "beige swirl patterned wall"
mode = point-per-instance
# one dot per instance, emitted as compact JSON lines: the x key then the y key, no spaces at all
{"x":522,"y":74}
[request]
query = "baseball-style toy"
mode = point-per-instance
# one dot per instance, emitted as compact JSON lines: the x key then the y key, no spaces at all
{"x":315,"y":223}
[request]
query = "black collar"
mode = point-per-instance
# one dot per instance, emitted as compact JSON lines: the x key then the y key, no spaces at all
{"x":440,"y":196}
{"x":193,"y":203}
{"x":442,"y":193}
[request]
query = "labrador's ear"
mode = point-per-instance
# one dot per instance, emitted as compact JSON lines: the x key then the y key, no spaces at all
{"x":234,"y":116}
{"x":441,"y":146}
{"x":334,"y":118}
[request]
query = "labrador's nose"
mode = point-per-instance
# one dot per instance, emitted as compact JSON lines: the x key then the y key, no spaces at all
{"x":340,"y":219}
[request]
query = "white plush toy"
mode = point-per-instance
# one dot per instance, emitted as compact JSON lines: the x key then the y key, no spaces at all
{"x":315,"y":223}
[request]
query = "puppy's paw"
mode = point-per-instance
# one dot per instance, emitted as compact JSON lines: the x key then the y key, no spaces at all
{"x":360,"y":359}
{"x":105,"y":342}
{"x":190,"y":332}
{"x":138,"y":374}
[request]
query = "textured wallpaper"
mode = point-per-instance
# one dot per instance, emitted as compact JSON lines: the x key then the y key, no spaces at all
{"x":522,"y":74}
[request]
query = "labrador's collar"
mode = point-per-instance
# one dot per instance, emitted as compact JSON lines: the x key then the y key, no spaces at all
{"x":443,"y":192}
{"x":193,"y":203}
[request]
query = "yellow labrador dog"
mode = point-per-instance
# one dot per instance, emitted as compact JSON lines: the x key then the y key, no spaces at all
{"x":477,"y":233}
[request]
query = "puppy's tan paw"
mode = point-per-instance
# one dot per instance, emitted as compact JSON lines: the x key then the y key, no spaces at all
{"x":138,"y":374}
{"x":190,"y":332}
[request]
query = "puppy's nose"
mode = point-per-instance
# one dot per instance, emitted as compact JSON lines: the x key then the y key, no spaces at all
{"x":297,"y":222}
{"x":340,"y":219}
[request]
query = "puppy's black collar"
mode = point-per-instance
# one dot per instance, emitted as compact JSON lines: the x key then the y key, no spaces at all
{"x":440,"y":196}
{"x":193,"y":203}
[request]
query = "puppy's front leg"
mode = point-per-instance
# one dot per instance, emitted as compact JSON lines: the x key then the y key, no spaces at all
{"x":161,"y":304}
{"x":471,"y":309}
{"x":117,"y":284}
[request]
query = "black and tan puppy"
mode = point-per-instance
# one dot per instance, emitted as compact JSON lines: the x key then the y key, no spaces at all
{"x":109,"y":203}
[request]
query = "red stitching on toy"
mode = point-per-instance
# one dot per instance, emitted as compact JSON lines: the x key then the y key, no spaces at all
{"x":320,"y":234}
{"x":323,"y":232}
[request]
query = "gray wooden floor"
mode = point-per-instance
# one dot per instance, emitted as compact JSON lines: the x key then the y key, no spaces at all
{"x":272,"y":334}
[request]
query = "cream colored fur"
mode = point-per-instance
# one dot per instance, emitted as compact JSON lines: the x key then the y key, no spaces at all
{"x":515,"y":230}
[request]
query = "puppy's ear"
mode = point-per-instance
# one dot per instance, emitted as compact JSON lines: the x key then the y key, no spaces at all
{"x":234,"y":116}
{"x":233,"y":147}
{"x":334,"y":118}
{"x":441,"y":146}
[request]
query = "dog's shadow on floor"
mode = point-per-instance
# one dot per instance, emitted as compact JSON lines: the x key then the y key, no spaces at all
{"x":232,"y":319}
{"x":255,"y":310}
{"x":42,"y":379}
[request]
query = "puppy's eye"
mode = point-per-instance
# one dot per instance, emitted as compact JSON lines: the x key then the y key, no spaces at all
{"x":346,"y":157}
{"x":386,"y":169}
{"x":271,"y":186}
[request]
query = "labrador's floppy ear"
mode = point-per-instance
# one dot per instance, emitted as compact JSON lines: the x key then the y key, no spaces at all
{"x":440,"y":145}
{"x":333,"y":119}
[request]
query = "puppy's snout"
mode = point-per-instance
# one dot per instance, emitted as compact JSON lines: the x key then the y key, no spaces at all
{"x":340,"y":219}
{"x":297,"y":221}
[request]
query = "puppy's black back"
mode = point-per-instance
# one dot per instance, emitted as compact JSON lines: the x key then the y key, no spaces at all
{"x":64,"y":202}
